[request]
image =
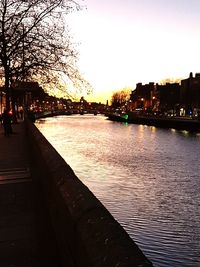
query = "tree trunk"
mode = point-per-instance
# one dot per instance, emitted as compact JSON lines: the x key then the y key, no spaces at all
{"x":7,"y":87}
{"x":7,"y":91}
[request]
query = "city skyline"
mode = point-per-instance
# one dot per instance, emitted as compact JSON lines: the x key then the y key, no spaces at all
{"x":123,"y":44}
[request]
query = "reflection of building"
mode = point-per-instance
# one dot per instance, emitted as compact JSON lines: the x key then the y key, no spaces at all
{"x":190,"y":93}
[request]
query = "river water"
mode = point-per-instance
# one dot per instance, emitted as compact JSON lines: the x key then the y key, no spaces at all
{"x":147,"y":177}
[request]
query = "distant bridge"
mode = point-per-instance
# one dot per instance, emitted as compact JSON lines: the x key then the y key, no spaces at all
{"x":46,"y":114}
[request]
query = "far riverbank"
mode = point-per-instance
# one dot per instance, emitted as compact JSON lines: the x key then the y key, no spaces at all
{"x":180,"y":123}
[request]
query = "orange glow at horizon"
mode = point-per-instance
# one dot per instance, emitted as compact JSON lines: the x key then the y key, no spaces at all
{"x":122,"y":44}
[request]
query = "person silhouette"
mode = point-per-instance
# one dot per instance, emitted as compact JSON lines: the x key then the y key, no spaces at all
{"x":6,"y":120}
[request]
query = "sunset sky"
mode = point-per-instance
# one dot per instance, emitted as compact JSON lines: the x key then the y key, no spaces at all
{"x":126,"y":42}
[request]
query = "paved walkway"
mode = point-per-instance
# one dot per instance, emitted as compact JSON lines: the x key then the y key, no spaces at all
{"x":26,"y":238}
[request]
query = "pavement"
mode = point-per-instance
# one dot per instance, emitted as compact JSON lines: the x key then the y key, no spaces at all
{"x":26,"y":236}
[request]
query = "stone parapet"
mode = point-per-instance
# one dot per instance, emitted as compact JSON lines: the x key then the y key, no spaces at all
{"x":87,"y":234}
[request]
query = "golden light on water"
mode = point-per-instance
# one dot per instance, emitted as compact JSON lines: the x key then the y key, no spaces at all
{"x":186,"y":133}
{"x":173,"y":130}
{"x":153,"y":129}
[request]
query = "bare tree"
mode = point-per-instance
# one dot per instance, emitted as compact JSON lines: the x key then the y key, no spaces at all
{"x":170,"y":80}
{"x":35,"y":45}
{"x":119,"y":98}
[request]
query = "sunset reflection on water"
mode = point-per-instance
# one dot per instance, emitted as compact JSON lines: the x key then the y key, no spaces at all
{"x":147,"y":177}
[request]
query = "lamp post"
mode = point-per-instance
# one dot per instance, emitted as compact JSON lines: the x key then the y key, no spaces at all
{"x":153,"y":102}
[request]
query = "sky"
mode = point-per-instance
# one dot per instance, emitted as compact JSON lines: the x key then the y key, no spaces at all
{"x":125,"y":42}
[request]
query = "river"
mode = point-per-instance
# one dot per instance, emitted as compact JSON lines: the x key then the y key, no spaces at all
{"x":147,"y":177}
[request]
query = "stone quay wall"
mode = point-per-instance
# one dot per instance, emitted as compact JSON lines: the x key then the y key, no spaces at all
{"x":87,"y":235}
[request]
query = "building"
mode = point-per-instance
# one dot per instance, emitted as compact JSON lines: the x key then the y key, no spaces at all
{"x":169,"y":97}
{"x":143,"y":97}
{"x":190,"y":94}
{"x":25,"y":93}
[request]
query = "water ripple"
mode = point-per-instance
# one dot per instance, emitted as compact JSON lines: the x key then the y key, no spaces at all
{"x":148,"y":178}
